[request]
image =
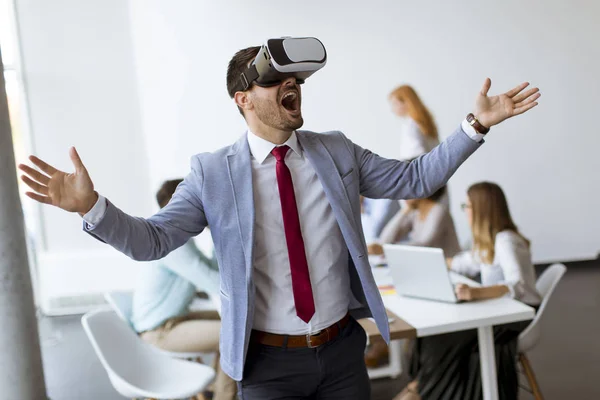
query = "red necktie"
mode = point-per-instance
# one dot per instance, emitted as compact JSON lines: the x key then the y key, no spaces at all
{"x":303,"y":296}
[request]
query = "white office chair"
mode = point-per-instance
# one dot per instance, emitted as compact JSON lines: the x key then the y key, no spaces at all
{"x":122,"y":303}
{"x":135,"y":369}
{"x":530,"y":337}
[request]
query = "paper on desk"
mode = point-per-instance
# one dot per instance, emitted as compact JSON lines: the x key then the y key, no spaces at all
{"x":387,"y":290}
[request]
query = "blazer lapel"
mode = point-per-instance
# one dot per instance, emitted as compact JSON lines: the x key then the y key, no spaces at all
{"x":240,"y":175}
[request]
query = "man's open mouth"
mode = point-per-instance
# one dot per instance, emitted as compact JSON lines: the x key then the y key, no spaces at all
{"x":291,"y":101}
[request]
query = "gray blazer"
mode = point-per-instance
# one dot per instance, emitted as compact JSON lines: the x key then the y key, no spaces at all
{"x":218,"y":192}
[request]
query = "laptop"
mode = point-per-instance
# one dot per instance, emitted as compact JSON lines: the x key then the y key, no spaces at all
{"x":421,"y":272}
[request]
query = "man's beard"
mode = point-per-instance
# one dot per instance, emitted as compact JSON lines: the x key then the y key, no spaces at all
{"x":274,"y":115}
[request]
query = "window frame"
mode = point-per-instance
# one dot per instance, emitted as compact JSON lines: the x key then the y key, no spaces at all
{"x":34,"y":224}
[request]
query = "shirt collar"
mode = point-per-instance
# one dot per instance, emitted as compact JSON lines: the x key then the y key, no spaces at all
{"x":261,"y":148}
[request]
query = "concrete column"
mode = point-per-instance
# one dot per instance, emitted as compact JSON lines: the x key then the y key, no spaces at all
{"x":21,"y":373}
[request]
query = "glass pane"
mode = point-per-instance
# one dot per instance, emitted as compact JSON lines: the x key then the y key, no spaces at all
{"x":7,"y":37}
{"x":13,"y":93}
{"x":14,"y":108}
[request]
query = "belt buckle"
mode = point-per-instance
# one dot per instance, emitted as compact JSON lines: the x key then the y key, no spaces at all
{"x":309,"y":338}
{"x":309,"y":341}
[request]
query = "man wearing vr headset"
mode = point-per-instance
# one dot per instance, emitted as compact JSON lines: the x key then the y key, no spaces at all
{"x":284,"y":210}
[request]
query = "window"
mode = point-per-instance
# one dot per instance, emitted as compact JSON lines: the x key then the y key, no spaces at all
{"x":7,"y":34}
{"x":13,"y":91}
{"x":18,"y":119}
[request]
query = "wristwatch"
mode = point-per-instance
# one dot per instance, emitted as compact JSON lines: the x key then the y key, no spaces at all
{"x":474,"y":122}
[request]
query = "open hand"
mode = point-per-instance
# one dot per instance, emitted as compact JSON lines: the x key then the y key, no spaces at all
{"x":72,"y":192}
{"x":491,"y":110}
{"x":464,"y":292}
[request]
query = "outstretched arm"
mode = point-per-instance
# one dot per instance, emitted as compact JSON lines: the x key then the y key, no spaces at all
{"x":392,"y":179}
{"x":139,"y":238}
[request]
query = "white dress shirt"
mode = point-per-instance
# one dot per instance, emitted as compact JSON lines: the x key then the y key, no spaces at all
{"x":326,"y":251}
{"x":325,"y":248}
{"x":512,"y":267}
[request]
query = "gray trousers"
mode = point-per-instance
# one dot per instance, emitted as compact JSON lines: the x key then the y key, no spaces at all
{"x":335,"y":370}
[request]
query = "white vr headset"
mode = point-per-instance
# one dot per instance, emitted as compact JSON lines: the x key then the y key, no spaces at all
{"x":282,"y":58}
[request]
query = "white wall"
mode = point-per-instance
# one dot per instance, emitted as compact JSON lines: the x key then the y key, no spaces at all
{"x":139,"y":87}
{"x":546,"y":161}
{"x":79,"y":74}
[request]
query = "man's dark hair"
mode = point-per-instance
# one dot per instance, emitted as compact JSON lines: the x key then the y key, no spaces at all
{"x":237,"y":65}
{"x":164,"y":194}
{"x":438,"y":194}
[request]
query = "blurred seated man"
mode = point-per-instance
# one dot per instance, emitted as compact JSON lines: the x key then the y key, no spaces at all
{"x":161,"y":301}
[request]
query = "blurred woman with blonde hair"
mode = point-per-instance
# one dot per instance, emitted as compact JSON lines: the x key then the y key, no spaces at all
{"x":417,"y":137}
{"x":419,"y":134}
{"x":447,"y":366}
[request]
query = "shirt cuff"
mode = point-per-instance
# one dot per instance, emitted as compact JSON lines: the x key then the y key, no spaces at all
{"x":471,"y":132}
{"x":96,"y":214}
{"x":459,"y":265}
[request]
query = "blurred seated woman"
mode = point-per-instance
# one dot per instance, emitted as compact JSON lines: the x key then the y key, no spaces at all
{"x":447,"y":366}
{"x":423,"y":222}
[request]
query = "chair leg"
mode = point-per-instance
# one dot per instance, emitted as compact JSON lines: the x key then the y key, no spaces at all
{"x":537,"y":394}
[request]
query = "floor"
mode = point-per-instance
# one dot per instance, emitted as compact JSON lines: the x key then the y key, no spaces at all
{"x":566,"y":362}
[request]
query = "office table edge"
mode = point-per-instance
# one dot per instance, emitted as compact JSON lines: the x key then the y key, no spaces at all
{"x":526,"y":313}
{"x":478,"y":323}
{"x":399,"y":328}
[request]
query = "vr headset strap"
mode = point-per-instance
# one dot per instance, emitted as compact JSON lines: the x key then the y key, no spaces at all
{"x":246,"y":79}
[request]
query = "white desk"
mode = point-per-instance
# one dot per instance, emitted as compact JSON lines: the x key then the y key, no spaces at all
{"x":432,"y":318}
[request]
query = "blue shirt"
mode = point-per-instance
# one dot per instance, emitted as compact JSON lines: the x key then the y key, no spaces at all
{"x":377,"y":213}
{"x":167,"y":286}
